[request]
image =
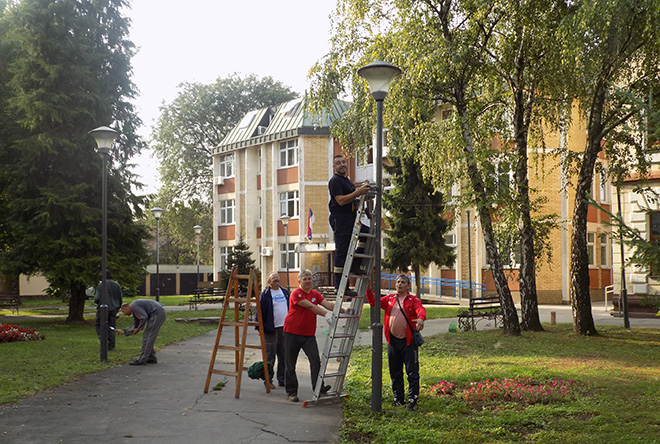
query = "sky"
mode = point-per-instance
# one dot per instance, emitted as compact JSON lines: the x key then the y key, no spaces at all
{"x":201,"y":40}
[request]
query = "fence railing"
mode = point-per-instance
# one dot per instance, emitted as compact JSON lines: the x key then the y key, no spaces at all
{"x":436,"y":285}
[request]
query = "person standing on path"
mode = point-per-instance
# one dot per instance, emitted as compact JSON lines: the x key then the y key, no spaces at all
{"x":148,"y":315}
{"x":274,"y":302}
{"x":343,"y":207}
{"x":401,"y":349}
{"x":300,"y":332}
{"x":113,"y":300}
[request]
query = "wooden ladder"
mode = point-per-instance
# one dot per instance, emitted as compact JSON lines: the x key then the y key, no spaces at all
{"x":249,"y":299}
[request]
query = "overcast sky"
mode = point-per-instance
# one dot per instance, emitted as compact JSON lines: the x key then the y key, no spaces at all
{"x":201,"y":40}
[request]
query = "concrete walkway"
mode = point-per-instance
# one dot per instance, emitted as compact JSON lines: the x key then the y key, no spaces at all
{"x":165,"y":403}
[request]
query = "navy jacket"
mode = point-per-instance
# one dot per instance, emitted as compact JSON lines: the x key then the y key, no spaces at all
{"x":266,"y":301}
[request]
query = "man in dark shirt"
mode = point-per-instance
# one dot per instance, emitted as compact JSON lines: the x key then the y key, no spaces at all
{"x":113,"y":301}
{"x":343,"y":209}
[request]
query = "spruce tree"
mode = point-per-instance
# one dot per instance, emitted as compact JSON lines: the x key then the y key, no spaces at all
{"x":69,"y":73}
{"x":416,"y":227}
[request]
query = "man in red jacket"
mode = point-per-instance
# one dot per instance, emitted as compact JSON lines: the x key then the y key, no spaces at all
{"x":401,"y":349}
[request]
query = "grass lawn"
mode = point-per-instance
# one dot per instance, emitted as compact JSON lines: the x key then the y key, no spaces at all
{"x":612,"y":395}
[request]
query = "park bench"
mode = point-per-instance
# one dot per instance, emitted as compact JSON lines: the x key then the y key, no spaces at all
{"x":10,"y":301}
{"x":485,"y":307}
{"x":207,"y":293}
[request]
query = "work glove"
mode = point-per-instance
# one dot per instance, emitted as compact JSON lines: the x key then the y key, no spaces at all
{"x":328,"y":317}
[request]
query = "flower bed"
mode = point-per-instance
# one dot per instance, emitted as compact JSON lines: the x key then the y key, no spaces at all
{"x":517,"y":390}
{"x":13,"y":333}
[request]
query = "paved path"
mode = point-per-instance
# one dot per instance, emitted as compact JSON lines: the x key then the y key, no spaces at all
{"x":165,"y":403}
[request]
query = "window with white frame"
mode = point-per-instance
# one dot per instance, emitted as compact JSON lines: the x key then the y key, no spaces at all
{"x":289,"y":204}
{"x":227,"y":212}
{"x":226,"y":165}
{"x":604,"y":190}
{"x":504,"y":177}
{"x":225,"y":253}
{"x":604,"y":250}
{"x":365,"y":157}
{"x":591,"y":248}
{"x":450,"y":239}
{"x":259,"y":162}
{"x":288,"y":253}
{"x":289,"y":153}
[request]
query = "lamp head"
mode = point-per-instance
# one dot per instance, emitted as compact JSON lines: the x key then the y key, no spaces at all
{"x":285,"y":219}
{"x":104,"y":137}
{"x":198,"y":229}
{"x":157,"y":212}
{"x":379,"y":75}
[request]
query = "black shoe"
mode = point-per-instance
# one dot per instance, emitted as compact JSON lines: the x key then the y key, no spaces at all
{"x":359,"y":272}
{"x":412,"y":405}
{"x":136,"y":362}
{"x":293,"y":398}
{"x":350,"y":292}
{"x":280,"y":384}
{"x":111,"y":347}
{"x":152,"y":361}
{"x":398,"y":403}
{"x":325,"y":389}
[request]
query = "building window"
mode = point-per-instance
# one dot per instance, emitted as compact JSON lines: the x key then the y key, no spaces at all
{"x":591,"y":248}
{"x":504,"y":177}
{"x":226,"y":165}
{"x":227,"y":212}
{"x":259,"y":162}
{"x":289,"y":153}
{"x":605,"y":191}
{"x":655,"y":236}
{"x":450,"y":239}
{"x":225,"y":253}
{"x":289,"y":203}
{"x":288,"y":251}
{"x":604,"y":250}
{"x":365,"y":157}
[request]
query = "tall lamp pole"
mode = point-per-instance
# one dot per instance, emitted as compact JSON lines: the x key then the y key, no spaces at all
{"x":623,"y":300}
{"x":157,"y":212}
{"x":104,"y":137}
{"x":198,"y":231}
{"x":285,"y":221}
{"x":379,"y":75}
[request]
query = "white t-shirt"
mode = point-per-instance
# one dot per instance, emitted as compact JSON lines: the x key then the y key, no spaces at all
{"x":279,"y":307}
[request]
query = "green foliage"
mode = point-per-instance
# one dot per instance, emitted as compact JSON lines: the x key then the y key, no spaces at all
{"x":414,"y":215}
{"x":68,"y":72}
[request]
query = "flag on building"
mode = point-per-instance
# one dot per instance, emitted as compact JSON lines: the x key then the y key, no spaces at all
{"x":310,"y":222}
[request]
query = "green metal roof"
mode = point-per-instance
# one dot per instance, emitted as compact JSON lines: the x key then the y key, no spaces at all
{"x":287,"y":120}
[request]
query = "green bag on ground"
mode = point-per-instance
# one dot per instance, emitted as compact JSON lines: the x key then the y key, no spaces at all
{"x":256,"y":371}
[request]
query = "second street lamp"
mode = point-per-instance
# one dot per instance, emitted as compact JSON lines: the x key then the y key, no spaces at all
{"x":104,"y":137}
{"x":157,"y":212}
{"x":285,"y":221}
{"x":379,"y":75}
{"x":198,"y":232}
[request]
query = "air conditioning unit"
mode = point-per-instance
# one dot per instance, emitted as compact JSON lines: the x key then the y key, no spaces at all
{"x":219,"y":180}
{"x":261,"y":130}
{"x":266,"y":251}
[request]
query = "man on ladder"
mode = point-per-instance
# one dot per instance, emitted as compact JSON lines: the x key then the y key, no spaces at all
{"x":343,"y":209}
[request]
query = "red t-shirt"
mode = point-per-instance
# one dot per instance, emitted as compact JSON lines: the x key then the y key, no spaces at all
{"x":300,"y":320}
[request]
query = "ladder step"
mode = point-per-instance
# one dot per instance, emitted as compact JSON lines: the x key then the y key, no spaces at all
{"x":242,"y":300}
{"x":224,"y":372}
{"x":362,"y":255}
{"x":359,"y":276}
{"x":237,"y":324}
{"x":333,"y":375}
{"x":338,"y":355}
{"x":367,"y":235}
{"x":343,"y":335}
{"x":228,"y":347}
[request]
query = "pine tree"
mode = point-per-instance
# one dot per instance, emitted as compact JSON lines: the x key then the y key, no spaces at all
{"x":414,"y":216}
{"x":69,"y":73}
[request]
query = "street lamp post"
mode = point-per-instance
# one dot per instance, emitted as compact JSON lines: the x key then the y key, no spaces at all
{"x":157,"y":212}
{"x":198,"y":231}
{"x":104,"y":137}
{"x":285,"y":221}
{"x":379,"y":75}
